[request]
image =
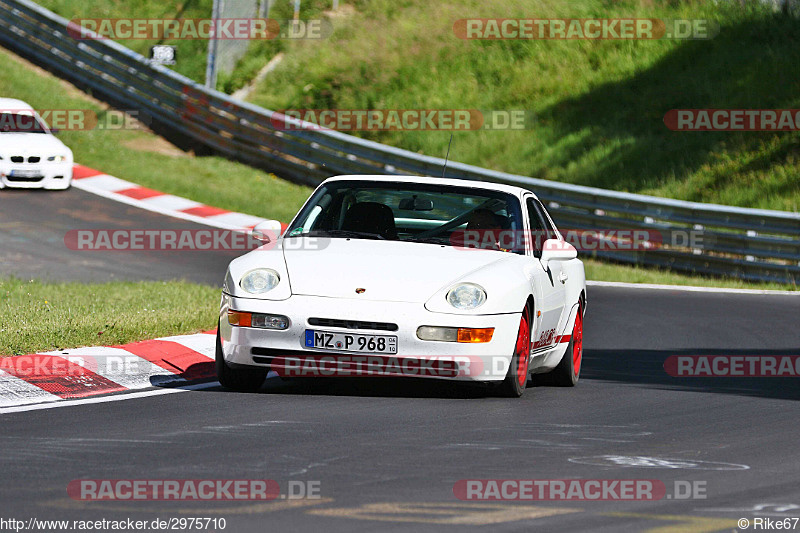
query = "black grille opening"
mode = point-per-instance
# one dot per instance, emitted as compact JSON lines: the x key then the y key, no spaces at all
{"x":352,"y":324}
{"x":17,"y":159}
{"x":25,"y":178}
{"x":34,"y":159}
{"x":269,"y":353}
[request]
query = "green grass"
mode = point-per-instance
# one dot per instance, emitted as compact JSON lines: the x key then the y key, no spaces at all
{"x":38,"y":316}
{"x":191,"y":54}
{"x":600,"y":271}
{"x":599,"y":104}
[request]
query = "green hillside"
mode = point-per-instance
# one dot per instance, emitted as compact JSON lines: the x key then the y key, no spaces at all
{"x":599,"y":105}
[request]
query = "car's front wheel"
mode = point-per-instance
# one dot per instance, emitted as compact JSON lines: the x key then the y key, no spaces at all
{"x":242,"y":380}
{"x":517,"y":377}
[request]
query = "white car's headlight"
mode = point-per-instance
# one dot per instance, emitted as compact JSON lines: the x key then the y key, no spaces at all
{"x":259,"y":281}
{"x":466,"y":296}
{"x":57,"y":158}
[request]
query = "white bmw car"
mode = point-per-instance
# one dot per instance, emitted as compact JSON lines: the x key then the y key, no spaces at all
{"x":31,"y":156}
{"x":406,"y":276}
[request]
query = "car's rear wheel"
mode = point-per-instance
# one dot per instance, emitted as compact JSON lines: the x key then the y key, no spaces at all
{"x":517,"y":377}
{"x":568,"y":371}
{"x":238,"y":379}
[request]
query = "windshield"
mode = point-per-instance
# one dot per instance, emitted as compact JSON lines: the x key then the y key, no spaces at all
{"x":11,"y":122}
{"x":413,"y":212}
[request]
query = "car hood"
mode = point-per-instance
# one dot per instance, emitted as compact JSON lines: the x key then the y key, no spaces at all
{"x":386,"y":270}
{"x":31,"y":143}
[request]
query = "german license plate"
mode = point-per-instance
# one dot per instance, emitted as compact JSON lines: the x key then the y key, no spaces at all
{"x":347,"y":342}
{"x":27,"y":173}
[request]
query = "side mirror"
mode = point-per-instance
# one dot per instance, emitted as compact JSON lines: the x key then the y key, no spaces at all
{"x":267,"y":231}
{"x":557,"y":250}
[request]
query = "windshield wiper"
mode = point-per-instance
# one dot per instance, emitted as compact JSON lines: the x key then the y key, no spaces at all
{"x":345,"y":234}
{"x":430,"y":240}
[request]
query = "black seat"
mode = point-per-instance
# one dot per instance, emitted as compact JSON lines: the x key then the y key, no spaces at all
{"x":371,"y":217}
{"x":488,"y":227}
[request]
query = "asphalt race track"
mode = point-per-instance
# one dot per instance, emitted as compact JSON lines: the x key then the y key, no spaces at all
{"x":33,"y":225}
{"x":386,"y":454}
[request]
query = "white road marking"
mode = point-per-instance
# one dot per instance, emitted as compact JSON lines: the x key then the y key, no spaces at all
{"x":640,"y":461}
{"x":169,"y":202}
{"x":118,"y":365}
{"x":78,"y":184}
{"x":106,"y":399}
{"x":202,"y":343}
{"x":14,"y":391}
{"x":236,"y":219}
{"x":688,"y":288}
{"x":104,"y":182}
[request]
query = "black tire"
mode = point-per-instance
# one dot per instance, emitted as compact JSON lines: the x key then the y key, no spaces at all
{"x":513,"y":386}
{"x":241,"y":380}
{"x":565,"y":374}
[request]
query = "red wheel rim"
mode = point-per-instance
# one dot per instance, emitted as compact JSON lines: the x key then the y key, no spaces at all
{"x":577,"y":343}
{"x":523,"y":350}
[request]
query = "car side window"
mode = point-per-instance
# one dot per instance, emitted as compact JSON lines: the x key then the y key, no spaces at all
{"x":537,"y":229}
{"x":551,"y":230}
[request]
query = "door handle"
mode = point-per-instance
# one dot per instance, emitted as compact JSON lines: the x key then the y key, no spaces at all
{"x":562,"y":277}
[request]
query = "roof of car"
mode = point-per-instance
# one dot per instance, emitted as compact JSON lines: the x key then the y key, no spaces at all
{"x":9,"y":104}
{"x":450,"y":182}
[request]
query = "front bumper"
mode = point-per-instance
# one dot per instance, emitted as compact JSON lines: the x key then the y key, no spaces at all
{"x":46,"y":175}
{"x":415,"y":358}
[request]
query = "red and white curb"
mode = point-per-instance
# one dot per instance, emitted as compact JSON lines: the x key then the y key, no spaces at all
{"x":62,"y":376}
{"x":99,"y":370}
{"x":95,"y":182}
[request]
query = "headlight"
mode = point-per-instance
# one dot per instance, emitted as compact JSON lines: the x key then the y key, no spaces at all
{"x":259,"y":281}
{"x":57,"y":158}
{"x":466,"y":296}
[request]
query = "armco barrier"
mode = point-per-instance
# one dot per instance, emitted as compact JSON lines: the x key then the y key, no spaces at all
{"x":752,"y":244}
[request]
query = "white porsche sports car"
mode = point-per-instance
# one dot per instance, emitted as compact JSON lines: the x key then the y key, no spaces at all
{"x":406,"y":276}
{"x":31,"y":156}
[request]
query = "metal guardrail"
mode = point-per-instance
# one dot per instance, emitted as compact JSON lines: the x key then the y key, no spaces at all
{"x":752,"y":244}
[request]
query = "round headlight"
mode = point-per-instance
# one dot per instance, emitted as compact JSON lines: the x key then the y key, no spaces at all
{"x":259,"y":281}
{"x":466,"y":296}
